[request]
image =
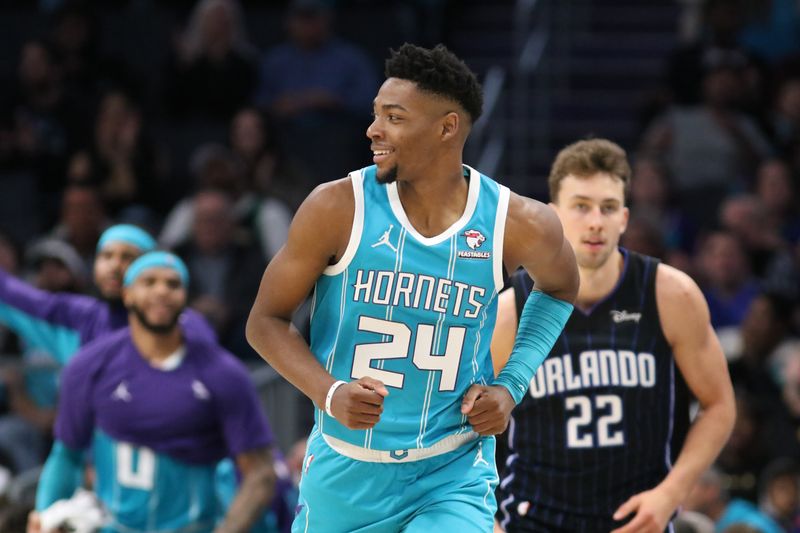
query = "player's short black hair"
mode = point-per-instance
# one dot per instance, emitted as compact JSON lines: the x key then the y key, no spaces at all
{"x":438,"y":71}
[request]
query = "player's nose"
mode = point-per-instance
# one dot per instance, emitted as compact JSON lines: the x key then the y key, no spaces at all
{"x":373,"y":130}
{"x":595,"y":218}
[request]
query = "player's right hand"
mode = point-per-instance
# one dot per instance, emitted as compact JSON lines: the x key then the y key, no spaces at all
{"x":359,"y":404}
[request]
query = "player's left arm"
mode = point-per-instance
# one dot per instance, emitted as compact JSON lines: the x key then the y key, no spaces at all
{"x":685,"y":321}
{"x":534,"y":239}
{"x":505,"y":329}
{"x":256,"y":490}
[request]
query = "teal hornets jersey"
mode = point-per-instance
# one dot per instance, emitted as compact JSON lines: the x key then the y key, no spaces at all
{"x":149,"y":491}
{"x":415,"y":312}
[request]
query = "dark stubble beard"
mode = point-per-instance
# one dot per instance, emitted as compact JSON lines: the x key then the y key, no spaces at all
{"x":389,"y":177}
{"x":158,"y":329}
{"x":116,"y":301}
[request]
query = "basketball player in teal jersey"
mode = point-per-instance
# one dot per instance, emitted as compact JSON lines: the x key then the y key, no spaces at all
{"x":405,"y":259}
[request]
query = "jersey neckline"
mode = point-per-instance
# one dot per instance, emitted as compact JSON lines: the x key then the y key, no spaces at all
{"x":608,"y":296}
{"x":469,"y":210}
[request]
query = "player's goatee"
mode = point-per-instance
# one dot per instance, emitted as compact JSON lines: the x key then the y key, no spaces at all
{"x":158,"y":329}
{"x":389,"y":177}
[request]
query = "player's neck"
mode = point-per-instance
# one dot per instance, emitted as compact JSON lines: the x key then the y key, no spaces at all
{"x":597,"y":283}
{"x":433,"y":203}
{"x":155,"y":347}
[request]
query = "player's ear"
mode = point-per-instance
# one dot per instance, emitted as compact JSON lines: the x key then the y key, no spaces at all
{"x":626,"y":214}
{"x":450,"y":125}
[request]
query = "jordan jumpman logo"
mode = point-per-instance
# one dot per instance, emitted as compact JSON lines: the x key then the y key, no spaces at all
{"x":385,"y":239}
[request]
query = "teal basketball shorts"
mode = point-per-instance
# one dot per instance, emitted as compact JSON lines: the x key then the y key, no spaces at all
{"x":454,"y":490}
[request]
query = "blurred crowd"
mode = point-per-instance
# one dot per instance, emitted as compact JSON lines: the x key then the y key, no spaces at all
{"x":213,"y":149}
{"x":715,"y":193}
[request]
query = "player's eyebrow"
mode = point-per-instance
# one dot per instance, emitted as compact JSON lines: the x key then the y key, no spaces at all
{"x":589,"y":199}
{"x":388,"y":107}
{"x":581,"y":197}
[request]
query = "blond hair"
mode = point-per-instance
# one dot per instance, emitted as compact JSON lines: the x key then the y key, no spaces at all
{"x":587,"y":158}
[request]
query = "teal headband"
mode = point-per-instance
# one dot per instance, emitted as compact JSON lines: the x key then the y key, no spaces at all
{"x":128,"y":234}
{"x":156,"y":260}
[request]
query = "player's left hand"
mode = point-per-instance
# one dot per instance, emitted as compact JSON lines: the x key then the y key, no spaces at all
{"x":488,"y":408}
{"x":651,"y":508}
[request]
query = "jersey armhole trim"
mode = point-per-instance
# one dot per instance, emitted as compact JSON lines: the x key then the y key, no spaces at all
{"x":337,"y":268}
{"x":499,"y":236}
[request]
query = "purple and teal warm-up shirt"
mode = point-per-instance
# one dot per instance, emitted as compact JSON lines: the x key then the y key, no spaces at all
{"x":157,"y":435}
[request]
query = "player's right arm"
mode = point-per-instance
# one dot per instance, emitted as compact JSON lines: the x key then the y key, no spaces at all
{"x":44,"y":319}
{"x":318,"y":237}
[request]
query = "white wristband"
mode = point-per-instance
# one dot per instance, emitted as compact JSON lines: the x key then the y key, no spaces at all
{"x":329,"y":396}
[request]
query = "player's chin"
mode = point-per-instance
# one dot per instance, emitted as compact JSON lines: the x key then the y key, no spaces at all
{"x":110,"y":290}
{"x":163,"y":323}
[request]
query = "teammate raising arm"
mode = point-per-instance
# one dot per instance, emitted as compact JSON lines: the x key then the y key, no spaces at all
{"x":159,"y":406}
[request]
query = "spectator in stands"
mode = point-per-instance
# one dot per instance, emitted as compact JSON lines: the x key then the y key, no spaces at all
{"x":216,"y":167}
{"x":718,"y":40}
{"x":55,"y":266}
{"x":9,"y":343}
{"x":779,"y":494}
{"x":652,"y":194}
{"x":226,"y":269}
{"x":82,"y":220}
{"x":760,"y":368}
{"x":320,"y":88}
{"x":121,"y":162}
{"x":86,"y":69}
{"x":766,"y":326}
{"x":787,"y":358}
{"x":212,"y":72}
{"x":776,"y":191}
{"x":724,"y":275}
{"x":772,"y":30}
{"x":744,"y":455}
{"x":710,"y":498}
{"x":712,"y":149}
{"x":10,"y":262}
{"x":644,"y":235}
{"x":786,"y":120}
{"x":31,"y":387}
{"x":269,"y":171}
{"x":41,"y":123}
{"x":747,"y":218}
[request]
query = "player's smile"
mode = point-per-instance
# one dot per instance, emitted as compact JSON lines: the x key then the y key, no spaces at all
{"x":381,"y":154}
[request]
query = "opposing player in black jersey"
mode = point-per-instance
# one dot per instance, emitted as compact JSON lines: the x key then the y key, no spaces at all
{"x":590,"y":443}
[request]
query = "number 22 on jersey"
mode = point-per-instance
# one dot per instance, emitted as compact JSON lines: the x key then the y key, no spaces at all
{"x":602,"y":413}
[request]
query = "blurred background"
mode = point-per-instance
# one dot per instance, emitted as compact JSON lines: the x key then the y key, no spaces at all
{"x":208,"y":122}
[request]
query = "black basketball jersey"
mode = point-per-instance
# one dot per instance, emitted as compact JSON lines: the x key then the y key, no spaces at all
{"x":596,"y":425}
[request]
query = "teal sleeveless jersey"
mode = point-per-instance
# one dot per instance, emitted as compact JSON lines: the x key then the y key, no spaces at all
{"x":415,"y":312}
